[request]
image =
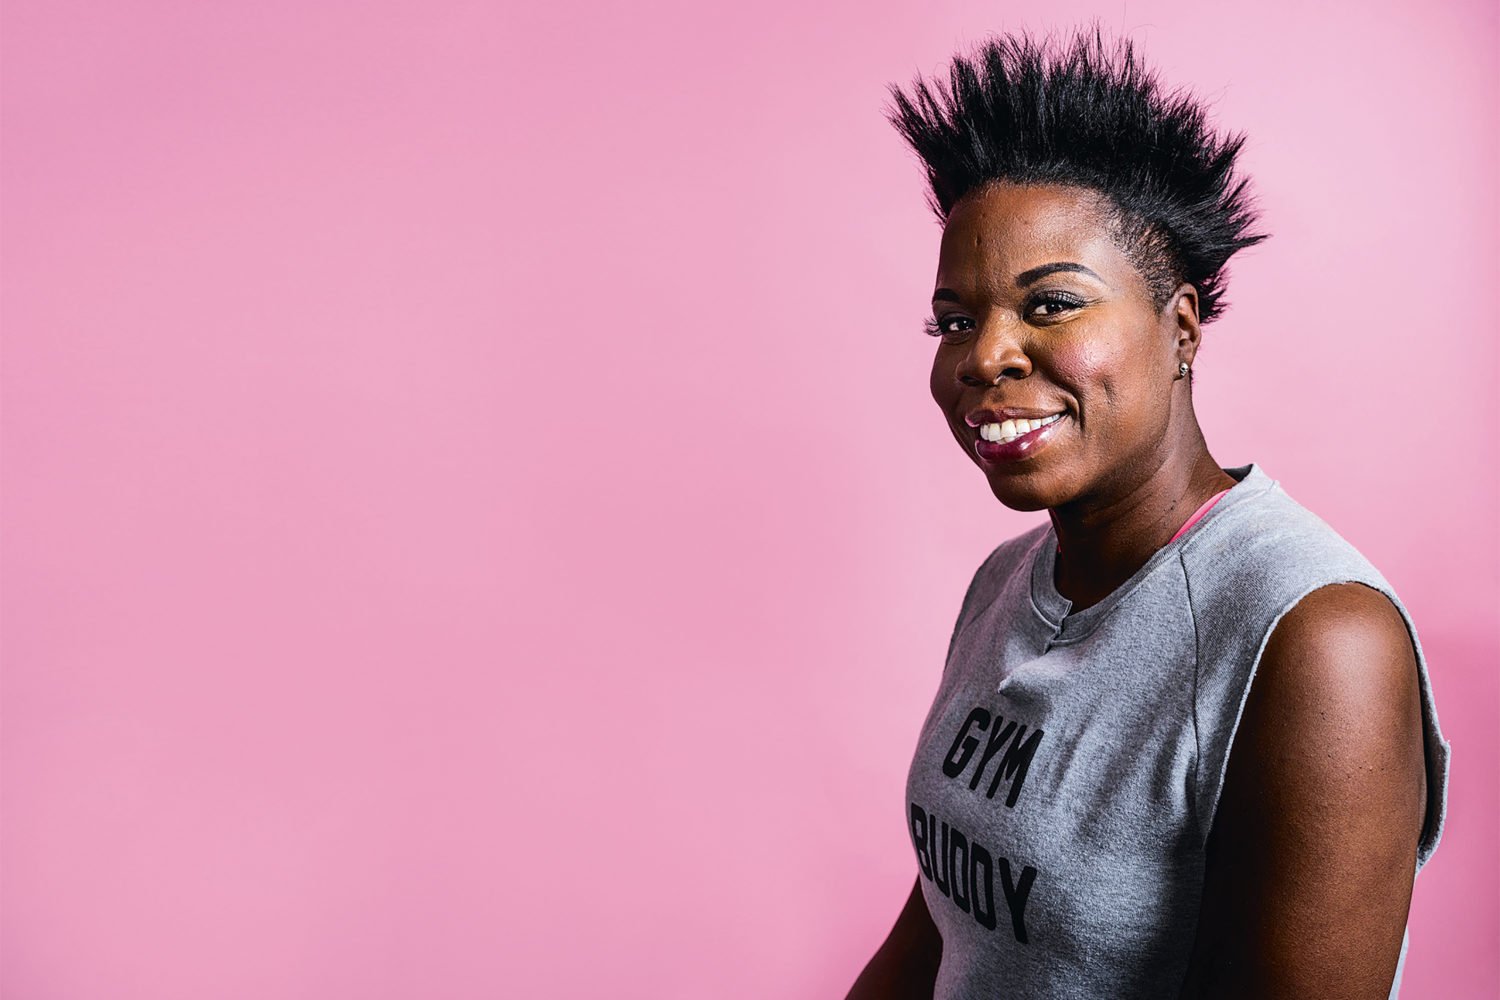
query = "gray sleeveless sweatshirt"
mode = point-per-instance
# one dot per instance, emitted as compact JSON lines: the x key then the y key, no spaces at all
{"x":1068,"y":771}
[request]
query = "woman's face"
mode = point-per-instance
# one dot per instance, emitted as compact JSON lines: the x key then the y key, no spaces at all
{"x":1041,"y":314}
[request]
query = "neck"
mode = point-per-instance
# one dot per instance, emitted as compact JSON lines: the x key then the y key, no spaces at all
{"x":1105,"y":538}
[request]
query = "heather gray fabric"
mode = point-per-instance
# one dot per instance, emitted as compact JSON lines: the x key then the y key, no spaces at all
{"x":1069,"y":768}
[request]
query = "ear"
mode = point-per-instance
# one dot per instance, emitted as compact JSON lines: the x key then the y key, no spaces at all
{"x":1182,"y":313}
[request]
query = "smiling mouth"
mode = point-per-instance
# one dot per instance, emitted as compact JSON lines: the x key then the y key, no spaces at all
{"x":1010,"y":430}
{"x":1012,"y":442}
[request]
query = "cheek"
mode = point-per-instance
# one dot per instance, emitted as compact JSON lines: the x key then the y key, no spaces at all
{"x":1090,"y":369}
{"x":941,"y":382}
{"x":1112,"y":379}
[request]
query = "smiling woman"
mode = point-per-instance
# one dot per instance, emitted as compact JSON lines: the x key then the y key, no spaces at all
{"x":1085,"y":326}
{"x":1185,"y":743}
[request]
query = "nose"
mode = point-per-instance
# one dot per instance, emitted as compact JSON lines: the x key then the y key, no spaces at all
{"x":996,"y":351}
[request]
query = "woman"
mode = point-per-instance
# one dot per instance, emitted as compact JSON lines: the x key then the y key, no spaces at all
{"x":1081,"y":826}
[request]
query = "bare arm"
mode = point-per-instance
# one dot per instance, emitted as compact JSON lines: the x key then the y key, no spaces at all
{"x":1312,"y":854}
{"x":906,"y":965}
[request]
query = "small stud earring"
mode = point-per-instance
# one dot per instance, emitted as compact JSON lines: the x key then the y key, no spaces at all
{"x":1182,"y":368}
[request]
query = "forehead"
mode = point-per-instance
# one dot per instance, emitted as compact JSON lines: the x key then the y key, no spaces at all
{"x":1003,"y":229}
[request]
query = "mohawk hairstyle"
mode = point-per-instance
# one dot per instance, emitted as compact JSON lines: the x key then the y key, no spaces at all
{"x":1086,"y":116}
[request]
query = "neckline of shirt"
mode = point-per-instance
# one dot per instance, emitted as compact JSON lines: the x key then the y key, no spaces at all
{"x":1054,"y":609}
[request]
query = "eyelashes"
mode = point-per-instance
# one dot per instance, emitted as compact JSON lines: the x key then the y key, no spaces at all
{"x":932,"y":329}
{"x":1061,"y":301}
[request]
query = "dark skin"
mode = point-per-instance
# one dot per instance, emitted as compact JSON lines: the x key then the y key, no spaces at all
{"x":1312,"y":852}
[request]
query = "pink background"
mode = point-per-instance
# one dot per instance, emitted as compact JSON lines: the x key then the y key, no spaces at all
{"x":474,"y":523}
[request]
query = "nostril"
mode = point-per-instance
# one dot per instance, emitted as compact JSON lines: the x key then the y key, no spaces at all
{"x":975,"y":380}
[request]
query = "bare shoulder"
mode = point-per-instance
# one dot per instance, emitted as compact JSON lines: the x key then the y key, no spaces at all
{"x":1312,"y":852}
{"x":1346,"y":640}
{"x":1339,"y":677}
{"x":1333,"y":719}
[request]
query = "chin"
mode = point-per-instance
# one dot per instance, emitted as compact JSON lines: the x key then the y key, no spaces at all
{"x":1019,"y":492}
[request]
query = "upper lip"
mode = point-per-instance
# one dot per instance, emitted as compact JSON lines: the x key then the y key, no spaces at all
{"x":999,"y":415}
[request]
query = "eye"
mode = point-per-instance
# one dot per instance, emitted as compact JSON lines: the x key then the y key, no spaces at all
{"x":945,"y":327}
{"x":1052,"y":304}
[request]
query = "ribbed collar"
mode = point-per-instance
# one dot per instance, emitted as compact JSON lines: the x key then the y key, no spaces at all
{"x":1053,"y":608}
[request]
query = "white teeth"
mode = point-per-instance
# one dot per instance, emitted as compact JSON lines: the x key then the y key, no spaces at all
{"x":1011,"y":429}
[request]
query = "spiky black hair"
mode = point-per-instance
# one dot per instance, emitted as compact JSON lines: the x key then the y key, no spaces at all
{"x":1087,"y":116}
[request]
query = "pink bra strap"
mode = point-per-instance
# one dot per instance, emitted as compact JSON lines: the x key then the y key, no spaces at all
{"x":1200,"y":512}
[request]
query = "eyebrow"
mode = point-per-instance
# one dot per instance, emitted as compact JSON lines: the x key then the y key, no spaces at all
{"x":1028,"y":277}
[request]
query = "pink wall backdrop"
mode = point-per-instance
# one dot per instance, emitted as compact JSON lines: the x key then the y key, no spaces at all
{"x":474,"y":524}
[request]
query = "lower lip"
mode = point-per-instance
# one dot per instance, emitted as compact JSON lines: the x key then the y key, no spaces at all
{"x":1018,"y":448}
